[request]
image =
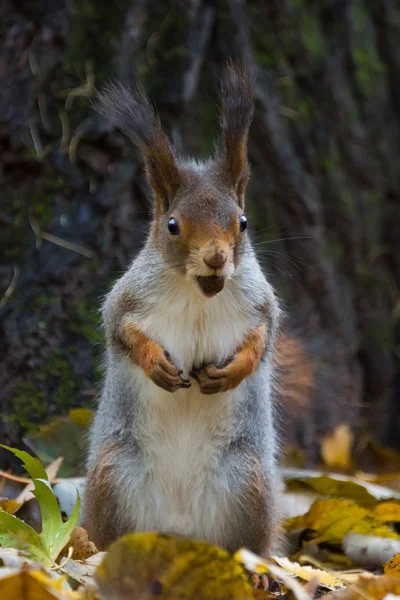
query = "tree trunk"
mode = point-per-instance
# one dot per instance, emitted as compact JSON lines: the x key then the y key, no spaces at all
{"x":323,"y":198}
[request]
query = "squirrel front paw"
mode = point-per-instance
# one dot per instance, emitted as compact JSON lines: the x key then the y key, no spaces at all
{"x":164,"y":373}
{"x":213,"y":379}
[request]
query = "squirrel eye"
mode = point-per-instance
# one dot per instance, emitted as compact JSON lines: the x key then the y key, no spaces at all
{"x":173,"y":227}
{"x":243,"y":223}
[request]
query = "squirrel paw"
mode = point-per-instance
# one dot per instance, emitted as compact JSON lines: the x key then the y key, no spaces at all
{"x":166,"y":375}
{"x":268,"y":583}
{"x":213,"y":379}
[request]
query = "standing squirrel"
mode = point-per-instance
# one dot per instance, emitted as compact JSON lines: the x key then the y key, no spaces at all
{"x":183,"y":440}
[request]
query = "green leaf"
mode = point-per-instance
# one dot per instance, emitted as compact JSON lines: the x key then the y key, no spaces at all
{"x":55,"y":534}
{"x":30,"y":464}
{"x":14,"y":533}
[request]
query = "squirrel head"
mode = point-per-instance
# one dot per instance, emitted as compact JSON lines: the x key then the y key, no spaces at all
{"x":199,"y":223}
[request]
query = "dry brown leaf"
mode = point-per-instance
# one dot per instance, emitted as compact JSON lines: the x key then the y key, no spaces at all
{"x":336,"y":448}
{"x":82,"y":547}
{"x":83,"y":571}
{"x":332,"y":519}
{"x":392,"y":566}
{"x":368,"y":588}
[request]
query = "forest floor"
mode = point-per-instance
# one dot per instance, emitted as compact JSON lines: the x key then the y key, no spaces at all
{"x":342,"y":534}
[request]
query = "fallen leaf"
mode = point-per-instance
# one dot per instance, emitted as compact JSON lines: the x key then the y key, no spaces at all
{"x":368,"y":588}
{"x":329,"y":486}
{"x":326,"y":578}
{"x":388,"y":512}
{"x":33,"y":585}
{"x":82,"y":547}
{"x":143,"y":565}
{"x":336,"y":448}
{"x":256,"y":564}
{"x":392,"y":566}
{"x":332,"y":519}
{"x":83,"y":571}
{"x":9,"y":506}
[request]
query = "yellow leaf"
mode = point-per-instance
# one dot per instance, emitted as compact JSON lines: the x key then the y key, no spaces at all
{"x":328,"y":580}
{"x":371,"y":588}
{"x":9,"y":506}
{"x":392,"y":566}
{"x":336,"y":448}
{"x":329,"y":486}
{"x":143,"y":565}
{"x":388,"y":512}
{"x":33,"y":585}
{"x":332,"y":519}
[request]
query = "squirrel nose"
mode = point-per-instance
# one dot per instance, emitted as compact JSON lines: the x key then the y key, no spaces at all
{"x":216,"y":260}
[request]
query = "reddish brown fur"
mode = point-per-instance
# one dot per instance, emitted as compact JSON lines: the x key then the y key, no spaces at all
{"x":296,"y":372}
{"x":153,"y":359}
{"x":100,"y":508}
{"x":255,"y":499}
{"x":142,"y":350}
{"x":245,"y":362}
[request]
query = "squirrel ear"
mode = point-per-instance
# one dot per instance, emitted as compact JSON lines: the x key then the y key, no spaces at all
{"x":132,"y":112}
{"x":236,"y":114}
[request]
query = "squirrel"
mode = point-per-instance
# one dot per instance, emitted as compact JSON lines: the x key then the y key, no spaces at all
{"x":183,"y":440}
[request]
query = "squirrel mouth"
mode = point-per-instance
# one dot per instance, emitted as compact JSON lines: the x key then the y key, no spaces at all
{"x":211,"y":285}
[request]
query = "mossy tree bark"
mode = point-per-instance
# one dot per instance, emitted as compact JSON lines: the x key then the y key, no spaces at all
{"x":324,"y":149}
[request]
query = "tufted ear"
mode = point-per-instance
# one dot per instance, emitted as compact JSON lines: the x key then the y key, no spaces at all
{"x":132,"y":112}
{"x":236,"y":114}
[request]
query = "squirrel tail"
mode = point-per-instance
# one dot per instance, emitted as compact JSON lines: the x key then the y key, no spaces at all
{"x":295,"y":381}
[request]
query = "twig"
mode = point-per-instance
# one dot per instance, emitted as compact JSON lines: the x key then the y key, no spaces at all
{"x":54,"y":239}
{"x":36,"y":138}
{"x":12,"y":285}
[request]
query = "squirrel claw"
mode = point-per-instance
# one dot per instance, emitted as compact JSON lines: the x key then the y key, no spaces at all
{"x":267,"y":583}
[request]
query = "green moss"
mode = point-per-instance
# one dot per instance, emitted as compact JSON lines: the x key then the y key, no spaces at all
{"x":94,"y":35}
{"x":305,"y":110}
{"x":265,"y":48}
{"x":29,"y":407}
{"x":87,"y":322}
{"x":348,"y":203}
{"x":333,"y":251}
{"x":310,"y":35}
{"x":368,"y":67}
{"x":66,"y":382}
{"x":331,"y":161}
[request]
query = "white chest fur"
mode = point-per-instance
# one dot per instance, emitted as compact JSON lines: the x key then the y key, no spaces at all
{"x":184,"y":433}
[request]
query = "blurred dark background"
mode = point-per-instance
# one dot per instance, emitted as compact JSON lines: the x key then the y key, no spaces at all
{"x":323,"y":200}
